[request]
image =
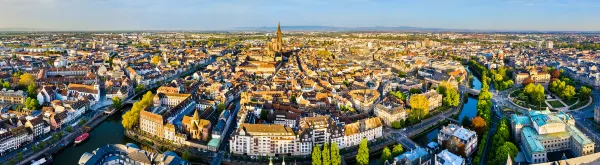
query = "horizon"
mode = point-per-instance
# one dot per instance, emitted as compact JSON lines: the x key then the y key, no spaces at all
{"x":227,"y":15}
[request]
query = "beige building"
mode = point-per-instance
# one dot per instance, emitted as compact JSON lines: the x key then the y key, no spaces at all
{"x":536,"y":74}
{"x":370,"y":129}
{"x":263,"y":140}
{"x":364,"y":99}
{"x":390,"y":114}
{"x":434,"y":99}
{"x":11,"y":96}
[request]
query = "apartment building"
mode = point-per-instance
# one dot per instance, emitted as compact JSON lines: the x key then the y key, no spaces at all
{"x":11,"y":96}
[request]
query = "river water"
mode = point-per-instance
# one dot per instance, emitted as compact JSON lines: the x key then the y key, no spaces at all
{"x":108,"y":132}
{"x":469,"y":110}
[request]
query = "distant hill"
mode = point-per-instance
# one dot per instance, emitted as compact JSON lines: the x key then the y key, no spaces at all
{"x":394,"y":29}
{"x":333,"y":28}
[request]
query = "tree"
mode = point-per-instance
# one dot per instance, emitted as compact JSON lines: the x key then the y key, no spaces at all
{"x":32,"y":90}
{"x":139,"y":88}
{"x":117,"y":102}
{"x":69,"y":129}
{"x":316,"y":155}
{"x":585,"y":92}
{"x":26,"y":79}
{"x":326,"y":155}
{"x":6,"y":85}
{"x":420,"y":105}
{"x":362,"y":158}
{"x":32,"y":103}
{"x":397,"y":150}
{"x":401,"y":74}
{"x":452,"y":97}
{"x":386,"y":155}
{"x":466,"y":121}
{"x":155,"y":60}
{"x":569,"y":92}
{"x":221,"y":108}
{"x":186,"y":155}
{"x":479,"y":125}
{"x":414,"y":91}
{"x":555,"y":73}
{"x":396,"y":125}
{"x":335,"y":154}
{"x":131,"y":117}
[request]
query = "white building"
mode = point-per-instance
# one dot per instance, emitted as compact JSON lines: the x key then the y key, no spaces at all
{"x":448,"y":158}
{"x":370,"y":129}
{"x":455,"y":135}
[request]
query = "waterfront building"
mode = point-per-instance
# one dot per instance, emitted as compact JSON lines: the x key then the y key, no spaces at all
{"x":540,"y":132}
{"x":370,"y":129}
{"x":458,"y":140}
{"x":129,"y":154}
{"x":320,"y":130}
{"x":263,"y":140}
{"x":433,"y":97}
{"x":448,"y":158}
{"x":418,"y":156}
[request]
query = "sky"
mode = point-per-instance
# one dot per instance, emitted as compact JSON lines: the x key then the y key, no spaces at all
{"x":541,"y":15}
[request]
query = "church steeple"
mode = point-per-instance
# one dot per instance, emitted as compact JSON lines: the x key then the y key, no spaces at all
{"x":279,"y":41}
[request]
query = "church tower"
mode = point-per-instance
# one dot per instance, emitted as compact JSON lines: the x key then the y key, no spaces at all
{"x":279,"y":41}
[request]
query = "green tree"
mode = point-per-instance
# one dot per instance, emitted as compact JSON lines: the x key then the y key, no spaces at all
{"x":69,"y":129}
{"x":336,"y":159}
{"x":396,"y":125}
{"x":569,"y":92}
{"x":362,"y":158}
{"x":32,"y":103}
{"x":466,"y":122}
{"x":6,"y":85}
{"x":397,"y":150}
{"x":186,"y":155}
{"x":139,"y":88}
{"x":386,"y":155}
{"x":452,"y":97}
{"x":32,"y":90}
{"x":316,"y":155}
{"x":117,"y":102}
{"x":326,"y":155}
{"x":221,"y":108}
{"x":585,"y":93}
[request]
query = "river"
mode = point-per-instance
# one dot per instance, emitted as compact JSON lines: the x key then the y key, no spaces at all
{"x":469,"y":110}
{"x":108,"y":132}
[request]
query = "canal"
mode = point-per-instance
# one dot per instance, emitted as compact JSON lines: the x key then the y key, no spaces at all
{"x":108,"y":132}
{"x":469,"y":110}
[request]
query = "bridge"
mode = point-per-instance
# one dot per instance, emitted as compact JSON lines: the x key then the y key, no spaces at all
{"x":471,"y":91}
{"x":451,"y":119}
{"x":131,"y":101}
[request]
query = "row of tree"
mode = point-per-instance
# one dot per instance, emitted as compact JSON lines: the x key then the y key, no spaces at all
{"x":451,"y":97}
{"x":480,"y":123}
{"x":502,"y":78}
{"x":327,"y":156}
{"x":501,"y":146}
{"x":132,"y":117}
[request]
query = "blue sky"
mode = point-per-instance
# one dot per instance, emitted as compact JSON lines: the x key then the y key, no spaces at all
{"x":227,"y":14}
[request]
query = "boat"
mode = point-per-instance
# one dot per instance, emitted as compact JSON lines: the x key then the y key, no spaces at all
{"x":42,"y":161}
{"x":81,"y":138}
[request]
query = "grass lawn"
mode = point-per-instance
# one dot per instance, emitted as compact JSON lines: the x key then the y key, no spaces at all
{"x":556,"y":104}
{"x":571,"y":101}
{"x":516,"y":93}
{"x":579,"y":104}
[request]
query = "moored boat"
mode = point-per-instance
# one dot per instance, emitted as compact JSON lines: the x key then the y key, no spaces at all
{"x":81,"y":138}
